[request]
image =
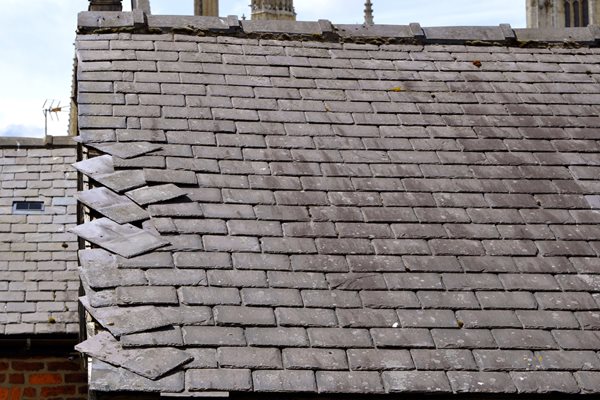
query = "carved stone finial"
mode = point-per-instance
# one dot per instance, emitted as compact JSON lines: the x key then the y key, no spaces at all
{"x":369,"y":13}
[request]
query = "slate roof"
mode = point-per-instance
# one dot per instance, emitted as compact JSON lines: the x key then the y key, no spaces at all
{"x":414,"y":213}
{"x":38,"y":257}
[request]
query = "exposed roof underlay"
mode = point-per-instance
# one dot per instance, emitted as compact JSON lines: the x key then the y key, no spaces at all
{"x":303,"y":212}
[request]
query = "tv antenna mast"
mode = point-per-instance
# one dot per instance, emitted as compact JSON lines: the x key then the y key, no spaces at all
{"x":51,"y":107}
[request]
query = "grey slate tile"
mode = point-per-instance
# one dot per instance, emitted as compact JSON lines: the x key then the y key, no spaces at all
{"x":155,"y":194}
{"x":295,"y":381}
{"x":125,"y":240}
{"x":218,"y":380}
{"x":118,"y":208}
{"x":121,"y":321}
{"x":416,"y":381}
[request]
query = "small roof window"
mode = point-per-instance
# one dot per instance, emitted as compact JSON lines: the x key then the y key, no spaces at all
{"x":28,"y":207}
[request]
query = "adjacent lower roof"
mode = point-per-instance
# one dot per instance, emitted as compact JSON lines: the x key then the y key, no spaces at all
{"x":324,"y":215}
{"x":38,"y":256}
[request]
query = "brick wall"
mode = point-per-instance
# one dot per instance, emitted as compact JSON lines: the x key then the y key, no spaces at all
{"x":42,"y":378}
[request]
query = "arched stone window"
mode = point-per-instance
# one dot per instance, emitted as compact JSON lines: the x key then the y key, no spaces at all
{"x":577,"y":13}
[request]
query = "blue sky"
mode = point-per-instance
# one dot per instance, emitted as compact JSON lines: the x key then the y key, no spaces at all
{"x":36,"y":43}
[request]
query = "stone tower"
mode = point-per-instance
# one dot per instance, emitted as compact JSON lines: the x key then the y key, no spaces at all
{"x":208,"y":8}
{"x":273,"y":9}
{"x":562,"y":13}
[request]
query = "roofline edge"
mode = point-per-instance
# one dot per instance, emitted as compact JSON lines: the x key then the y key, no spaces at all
{"x":94,"y":22}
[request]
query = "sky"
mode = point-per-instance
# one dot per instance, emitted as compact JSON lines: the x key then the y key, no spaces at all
{"x":36,"y":43}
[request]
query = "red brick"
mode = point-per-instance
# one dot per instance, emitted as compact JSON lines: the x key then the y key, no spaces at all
{"x":76,"y":378}
{"x":2,"y":378}
{"x":3,"y":366}
{"x":27,"y":366}
{"x":83,"y":390}
{"x":16,"y":378}
{"x":30,"y":392}
{"x":64,"y":366}
{"x":58,"y":390}
{"x":45,"y":379}
{"x":10,"y":393}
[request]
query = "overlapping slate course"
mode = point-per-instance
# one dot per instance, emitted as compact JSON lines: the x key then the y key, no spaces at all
{"x":356,"y":218}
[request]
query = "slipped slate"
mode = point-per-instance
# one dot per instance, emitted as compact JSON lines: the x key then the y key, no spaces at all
{"x":101,"y":169}
{"x":124,"y":240}
{"x":149,"y":363}
{"x":351,"y":217}
{"x":118,"y":208}
{"x":126,"y":320}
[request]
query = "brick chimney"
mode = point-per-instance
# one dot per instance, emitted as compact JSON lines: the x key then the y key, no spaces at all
{"x":106,"y":5}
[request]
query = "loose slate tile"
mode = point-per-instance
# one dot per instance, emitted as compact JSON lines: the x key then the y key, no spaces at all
{"x":125,"y":240}
{"x":118,"y":208}
{"x":125,"y":320}
{"x":102,"y":170}
{"x":155,"y":363}
{"x":106,"y":378}
{"x":95,"y":166}
{"x":126,"y":150}
{"x":155,"y":194}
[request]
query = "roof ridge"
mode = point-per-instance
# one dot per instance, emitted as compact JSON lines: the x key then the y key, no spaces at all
{"x":503,"y":34}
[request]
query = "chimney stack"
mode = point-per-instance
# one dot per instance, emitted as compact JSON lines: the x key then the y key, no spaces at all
{"x":105,"y":5}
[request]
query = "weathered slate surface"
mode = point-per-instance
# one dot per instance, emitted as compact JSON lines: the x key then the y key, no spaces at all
{"x":347,"y":217}
{"x":118,"y":208}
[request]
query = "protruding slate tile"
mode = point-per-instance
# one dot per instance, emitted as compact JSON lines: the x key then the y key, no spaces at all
{"x":118,"y":208}
{"x":149,"y":363}
{"x":106,"y":378}
{"x":127,"y":150}
{"x":124,"y":320}
{"x":95,"y":166}
{"x":155,"y":194}
{"x":157,"y":362}
{"x":124,"y":240}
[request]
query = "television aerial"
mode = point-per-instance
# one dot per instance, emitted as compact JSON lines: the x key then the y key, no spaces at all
{"x":50,"y":109}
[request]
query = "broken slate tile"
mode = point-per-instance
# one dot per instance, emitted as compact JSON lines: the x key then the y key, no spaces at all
{"x":170,"y":336}
{"x":125,"y":240}
{"x":155,"y":194}
{"x":124,"y":320}
{"x":118,"y":208}
{"x":126,"y":150}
